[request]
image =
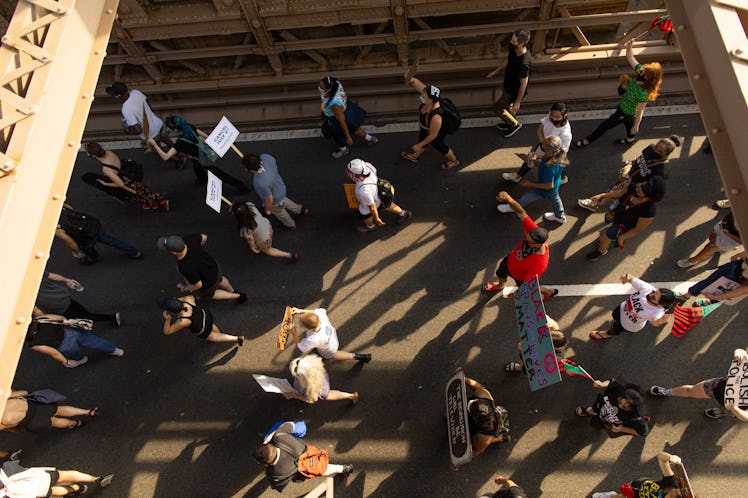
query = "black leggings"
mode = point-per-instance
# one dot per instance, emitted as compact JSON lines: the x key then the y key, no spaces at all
{"x":613,"y":120}
{"x":76,"y":310}
{"x":201,"y":172}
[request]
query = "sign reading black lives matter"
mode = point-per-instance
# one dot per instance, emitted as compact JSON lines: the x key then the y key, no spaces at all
{"x":460,"y":447}
{"x":736,"y":389}
{"x":538,"y":354}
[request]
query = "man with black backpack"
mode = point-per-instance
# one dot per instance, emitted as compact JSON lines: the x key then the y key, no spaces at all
{"x":438,"y":117}
{"x":81,"y":231}
{"x":287,"y":458}
{"x":373,"y":193}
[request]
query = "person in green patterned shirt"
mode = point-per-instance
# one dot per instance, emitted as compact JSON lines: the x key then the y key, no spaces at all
{"x":635,"y":94}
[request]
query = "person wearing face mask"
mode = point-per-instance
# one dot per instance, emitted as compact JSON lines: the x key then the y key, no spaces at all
{"x":340,"y":117}
{"x":652,"y":162}
{"x":364,"y":175}
{"x":635,"y":211}
{"x":431,"y":129}
{"x":635,"y":94}
{"x":516,"y":78}
{"x":554,"y":124}
{"x":646,"y":304}
{"x":616,"y":409}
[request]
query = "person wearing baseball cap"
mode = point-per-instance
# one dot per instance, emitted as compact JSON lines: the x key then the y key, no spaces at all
{"x":528,"y":259}
{"x":199,"y":269}
{"x":367,"y":191}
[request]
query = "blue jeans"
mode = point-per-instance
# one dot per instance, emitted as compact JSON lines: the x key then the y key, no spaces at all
{"x":91,"y":254}
{"x":74,"y":339}
{"x":536,"y":194}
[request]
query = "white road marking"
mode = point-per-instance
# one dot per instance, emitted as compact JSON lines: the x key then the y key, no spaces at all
{"x":582,"y":290}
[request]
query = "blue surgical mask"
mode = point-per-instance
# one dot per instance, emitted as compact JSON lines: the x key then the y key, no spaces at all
{"x":321,"y":90}
{"x":422,"y":99}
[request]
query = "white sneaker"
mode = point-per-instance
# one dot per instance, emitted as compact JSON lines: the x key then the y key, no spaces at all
{"x":373,"y":140}
{"x":117,"y":352}
{"x":587,"y":204}
{"x":684,"y":263}
{"x":564,"y":180}
{"x":76,"y":363}
{"x":511,"y":177}
{"x":552,"y":217}
{"x":343,"y":151}
{"x":504,"y":208}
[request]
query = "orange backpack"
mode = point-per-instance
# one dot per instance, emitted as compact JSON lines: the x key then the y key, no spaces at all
{"x":313,"y":462}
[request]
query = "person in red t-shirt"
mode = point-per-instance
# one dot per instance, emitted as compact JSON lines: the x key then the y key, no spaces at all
{"x":528,"y":259}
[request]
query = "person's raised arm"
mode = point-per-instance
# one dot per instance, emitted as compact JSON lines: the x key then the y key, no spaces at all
{"x":516,"y":207}
{"x":664,"y":459}
{"x":419,"y":85}
{"x":630,"y":53}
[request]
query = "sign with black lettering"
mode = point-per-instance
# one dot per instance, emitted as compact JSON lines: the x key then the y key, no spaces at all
{"x":538,"y":355}
{"x":460,"y":446}
{"x":723,"y":285}
{"x":736,"y":389}
{"x":222,"y":136}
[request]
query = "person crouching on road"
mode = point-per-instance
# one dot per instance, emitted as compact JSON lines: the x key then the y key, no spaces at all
{"x":369,"y":199}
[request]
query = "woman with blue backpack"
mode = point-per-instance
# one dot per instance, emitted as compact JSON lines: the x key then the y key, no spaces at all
{"x":191,"y":143}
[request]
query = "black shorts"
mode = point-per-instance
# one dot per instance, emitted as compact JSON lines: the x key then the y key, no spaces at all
{"x":503,"y":271}
{"x":439,"y":143}
{"x":616,"y":328}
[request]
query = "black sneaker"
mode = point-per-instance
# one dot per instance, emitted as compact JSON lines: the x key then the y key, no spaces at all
{"x":105,"y":481}
{"x":715,"y":412}
{"x":363,"y":358}
{"x":347,"y":469}
{"x":657,"y":391}
{"x":404,"y":217}
{"x":240,"y":340}
{"x":595,"y":255}
{"x":512,"y":131}
{"x":241,"y":299}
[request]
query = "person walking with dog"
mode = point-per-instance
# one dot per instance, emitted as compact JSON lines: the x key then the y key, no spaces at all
{"x":370,"y":198}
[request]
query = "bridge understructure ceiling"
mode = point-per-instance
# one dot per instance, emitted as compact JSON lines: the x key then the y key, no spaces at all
{"x":257,"y":61}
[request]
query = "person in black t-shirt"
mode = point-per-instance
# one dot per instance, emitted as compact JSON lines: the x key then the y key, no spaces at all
{"x":634,"y":211}
{"x":516,"y":78}
{"x":509,"y":489}
{"x":667,"y":487}
{"x":198,"y":268}
{"x":616,"y":409}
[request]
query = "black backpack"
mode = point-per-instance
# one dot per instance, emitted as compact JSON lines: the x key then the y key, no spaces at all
{"x":451,"y":119}
{"x":131,"y":169}
{"x":82,"y":228}
{"x":386,"y":192}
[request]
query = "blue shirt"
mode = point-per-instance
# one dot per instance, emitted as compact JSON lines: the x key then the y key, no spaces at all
{"x":339,"y":98}
{"x":269,"y":182}
{"x":547,"y":174}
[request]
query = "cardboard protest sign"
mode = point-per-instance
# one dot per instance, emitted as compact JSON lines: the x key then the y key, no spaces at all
{"x":684,"y":483}
{"x":213,"y":192}
{"x":274,"y":384}
{"x":284,"y":329}
{"x":538,"y":355}
{"x":350,"y":195}
{"x":222,"y":136}
{"x":736,"y":389}
{"x":460,"y":446}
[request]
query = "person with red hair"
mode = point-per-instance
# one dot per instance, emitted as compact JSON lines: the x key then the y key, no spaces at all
{"x":635,"y":94}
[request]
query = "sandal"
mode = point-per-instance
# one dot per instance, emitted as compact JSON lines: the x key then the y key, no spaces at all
{"x":409,"y":157}
{"x":623,"y":141}
{"x":76,"y":423}
{"x":597,"y":336}
{"x":581,"y":411}
{"x":552,"y":294}
{"x":579,"y":144}
{"x":93,"y":412}
{"x":354,"y":399}
{"x":450,"y":164}
{"x":491,"y":287}
{"x":512,"y":368}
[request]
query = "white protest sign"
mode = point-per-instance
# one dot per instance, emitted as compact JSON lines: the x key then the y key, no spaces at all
{"x":222,"y":136}
{"x":736,"y":389}
{"x":213,"y":192}
{"x":274,"y":384}
{"x":723,"y":285}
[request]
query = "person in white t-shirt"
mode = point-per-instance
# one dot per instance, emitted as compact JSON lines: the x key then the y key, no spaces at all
{"x":554,"y":124}
{"x":369,"y":200}
{"x":319,"y":335}
{"x":134,"y":105}
{"x":647,"y":304}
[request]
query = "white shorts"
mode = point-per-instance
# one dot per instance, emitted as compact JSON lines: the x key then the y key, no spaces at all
{"x":724,"y":242}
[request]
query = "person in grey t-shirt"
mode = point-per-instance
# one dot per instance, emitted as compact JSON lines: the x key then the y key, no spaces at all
{"x":271,"y":190}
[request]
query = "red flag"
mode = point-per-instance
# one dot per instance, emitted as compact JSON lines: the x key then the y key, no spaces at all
{"x":572,"y":369}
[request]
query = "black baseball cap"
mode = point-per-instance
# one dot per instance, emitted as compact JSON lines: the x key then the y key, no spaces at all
{"x":171,"y":243}
{"x":539,"y":235}
{"x":118,"y":88}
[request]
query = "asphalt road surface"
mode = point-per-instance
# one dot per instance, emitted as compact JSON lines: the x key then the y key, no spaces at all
{"x":180,"y":417}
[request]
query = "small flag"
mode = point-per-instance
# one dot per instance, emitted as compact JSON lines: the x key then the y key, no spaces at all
{"x":686,"y":318}
{"x":572,"y":369}
{"x":663,"y":23}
